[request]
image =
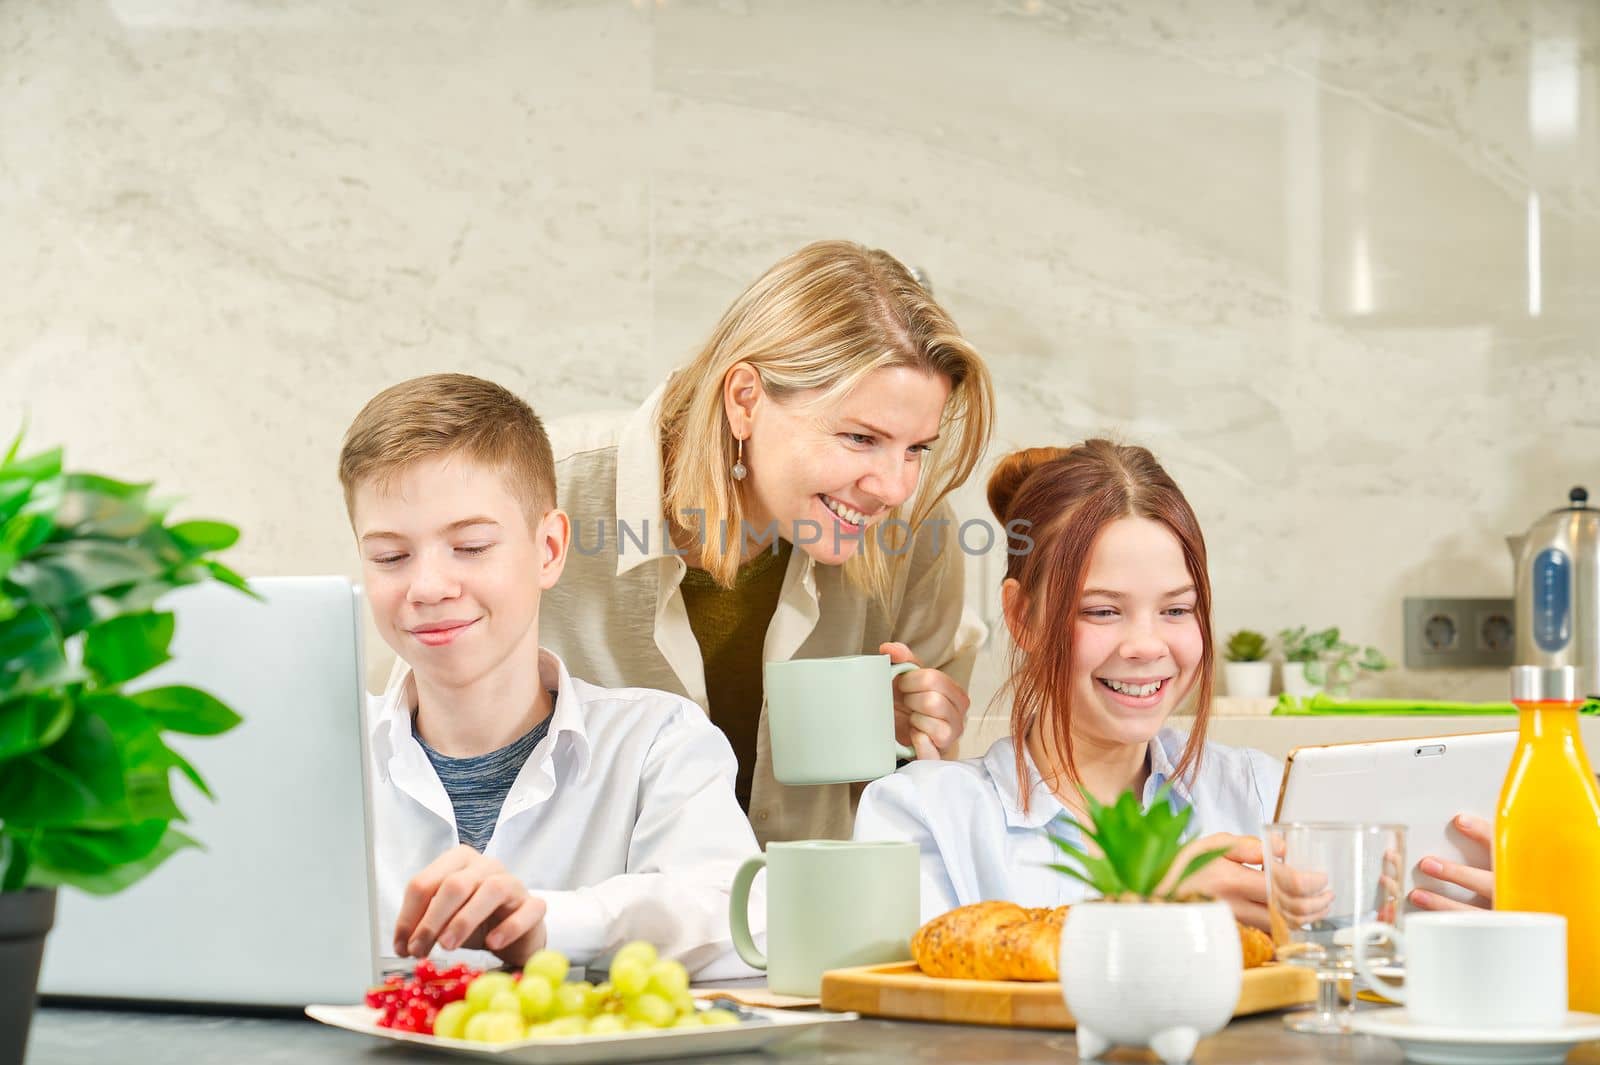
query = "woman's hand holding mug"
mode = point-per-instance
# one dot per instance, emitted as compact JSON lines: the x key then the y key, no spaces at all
{"x":930,"y":708}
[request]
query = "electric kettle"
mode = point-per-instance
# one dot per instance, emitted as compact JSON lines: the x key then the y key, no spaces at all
{"x":1558,"y":591}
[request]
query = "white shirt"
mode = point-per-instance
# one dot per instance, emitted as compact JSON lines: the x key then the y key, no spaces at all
{"x":978,"y":845}
{"x":618,"y":618}
{"x":623,"y":820}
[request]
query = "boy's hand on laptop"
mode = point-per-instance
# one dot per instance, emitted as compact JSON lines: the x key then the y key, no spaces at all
{"x":463,"y":899}
{"x":930,"y":708}
{"x":1478,"y":881}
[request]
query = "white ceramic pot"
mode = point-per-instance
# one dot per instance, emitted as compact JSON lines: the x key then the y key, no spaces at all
{"x":1157,"y":975}
{"x":1294,"y":680}
{"x":1248,"y":680}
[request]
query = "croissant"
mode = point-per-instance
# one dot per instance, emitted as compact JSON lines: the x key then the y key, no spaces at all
{"x":991,"y":941}
{"x":1004,"y":941}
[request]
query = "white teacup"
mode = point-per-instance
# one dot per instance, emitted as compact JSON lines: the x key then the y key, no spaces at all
{"x":1485,"y":969}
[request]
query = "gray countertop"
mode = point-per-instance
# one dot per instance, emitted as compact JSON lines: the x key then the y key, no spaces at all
{"x":99,"y":1037}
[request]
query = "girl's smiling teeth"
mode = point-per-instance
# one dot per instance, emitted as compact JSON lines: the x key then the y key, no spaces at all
{"x":848,"y":515}
{"x":1135,"y":689}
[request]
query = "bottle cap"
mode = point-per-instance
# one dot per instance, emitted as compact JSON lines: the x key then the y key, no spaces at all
{"x":1538,"y":684}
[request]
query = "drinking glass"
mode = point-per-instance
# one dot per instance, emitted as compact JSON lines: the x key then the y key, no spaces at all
{"x":1324,"y":882}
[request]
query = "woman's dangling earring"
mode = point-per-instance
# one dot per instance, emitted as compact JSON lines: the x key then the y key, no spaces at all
{"x":739,"y":470}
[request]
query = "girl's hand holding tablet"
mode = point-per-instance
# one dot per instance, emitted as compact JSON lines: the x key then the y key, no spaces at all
{"x":1478,"y":881}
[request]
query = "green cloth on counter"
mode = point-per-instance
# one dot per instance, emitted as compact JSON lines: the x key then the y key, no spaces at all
{"x":1322,"y":703}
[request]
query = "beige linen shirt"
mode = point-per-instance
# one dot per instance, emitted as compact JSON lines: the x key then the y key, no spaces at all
{"x":617,"y":619}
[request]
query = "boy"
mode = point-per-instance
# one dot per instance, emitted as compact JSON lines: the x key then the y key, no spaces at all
{"x":516,"y":807}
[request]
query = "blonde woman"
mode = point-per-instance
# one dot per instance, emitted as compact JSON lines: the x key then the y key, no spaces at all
{"x":784,"y":496}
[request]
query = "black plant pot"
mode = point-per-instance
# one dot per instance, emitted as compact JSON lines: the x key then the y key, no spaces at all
{"x":25,"y":917}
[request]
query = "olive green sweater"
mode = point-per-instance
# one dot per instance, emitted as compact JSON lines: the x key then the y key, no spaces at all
{"x":730,"y":625}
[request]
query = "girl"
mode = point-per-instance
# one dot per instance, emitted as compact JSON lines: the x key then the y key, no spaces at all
{"x":783,"y":496}
{"x":1109,"y":609}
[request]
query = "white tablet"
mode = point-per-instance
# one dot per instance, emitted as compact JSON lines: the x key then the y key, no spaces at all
{"x":1419,"y":783}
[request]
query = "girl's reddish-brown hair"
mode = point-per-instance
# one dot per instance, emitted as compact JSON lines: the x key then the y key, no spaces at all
{"x":1061,"y":499}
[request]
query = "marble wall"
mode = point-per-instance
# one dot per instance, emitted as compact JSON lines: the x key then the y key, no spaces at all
{"x":1336,"y":262}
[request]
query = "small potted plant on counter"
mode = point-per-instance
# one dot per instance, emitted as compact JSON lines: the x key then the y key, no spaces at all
{"x":1314,"y":661}
{"x":1144,"y":965}
{"x":1245,"y":667}
{"x":85,"y":799}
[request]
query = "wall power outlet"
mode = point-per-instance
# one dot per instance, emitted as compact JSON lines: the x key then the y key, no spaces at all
{"x":1458,"y":633}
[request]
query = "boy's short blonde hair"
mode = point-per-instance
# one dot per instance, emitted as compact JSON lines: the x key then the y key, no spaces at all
{"x":450,"y":414}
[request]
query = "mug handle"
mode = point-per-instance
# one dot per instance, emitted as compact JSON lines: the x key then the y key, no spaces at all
{"x":902,"y":753}
{"x":1360,"y":936}
{"x":739,"y":912}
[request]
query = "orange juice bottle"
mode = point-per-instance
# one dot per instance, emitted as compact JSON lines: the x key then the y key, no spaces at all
{"x":1547,"y":829}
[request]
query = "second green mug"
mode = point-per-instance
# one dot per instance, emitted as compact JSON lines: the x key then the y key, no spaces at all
{"x":831,"y":904}
{"x":831,"y":720}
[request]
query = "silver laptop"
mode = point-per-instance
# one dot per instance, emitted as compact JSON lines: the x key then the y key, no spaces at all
{"x":278,"y":909}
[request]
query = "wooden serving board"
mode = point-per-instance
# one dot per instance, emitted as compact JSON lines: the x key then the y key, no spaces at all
{"x":902,"y":990}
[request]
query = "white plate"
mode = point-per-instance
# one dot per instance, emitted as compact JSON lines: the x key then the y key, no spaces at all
{"x":1438,"y":1045}
{"x":767,"y":1027}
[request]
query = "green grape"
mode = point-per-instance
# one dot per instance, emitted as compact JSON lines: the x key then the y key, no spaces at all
{"x":652,"y":1009}
{"x":668,"y":978}
{"x":687,"y":1020}
{"x":501,"y":1027}
{"x":639,"y":951}
{"x":712,"y":1018}
{"x":636,"y":1025}
{"x":629,"y":977}
{"x":562,"y":1026}
{"x":606,"y":1024}
{"x":477,"y":1024}
{"x":602,"y":999}
{"x":485,"y":987}
{"x":550,"y":964}
{"x":506,"y":1002}
{"x":451,"y":1023}
{"x":684,"y":1002}
{"x":535,"y":997}
{"x":572,"y":1000}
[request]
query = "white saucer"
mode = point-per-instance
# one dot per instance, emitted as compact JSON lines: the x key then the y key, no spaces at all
{"x":1434,"y":1044}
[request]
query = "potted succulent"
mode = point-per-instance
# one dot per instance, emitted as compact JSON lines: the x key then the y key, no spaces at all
{"x":1314,"y":661}
{"x":1245,"y":666}
{"x":85,"y":798}
{"x":1144,"y":965}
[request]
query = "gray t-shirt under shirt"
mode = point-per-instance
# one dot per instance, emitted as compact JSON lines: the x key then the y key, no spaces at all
{"x":478,"y":785}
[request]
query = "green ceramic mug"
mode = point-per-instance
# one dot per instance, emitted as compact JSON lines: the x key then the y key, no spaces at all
{"x":831,"y":720}
{"x":830,"y":904}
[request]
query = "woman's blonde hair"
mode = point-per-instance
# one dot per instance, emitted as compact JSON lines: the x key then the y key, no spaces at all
{"x":819,"y":321}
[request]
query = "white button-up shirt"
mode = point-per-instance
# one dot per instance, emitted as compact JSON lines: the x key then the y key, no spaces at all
{"x":623,"y":820}
{"x":617,"y":615}
{"x":978,"y":845}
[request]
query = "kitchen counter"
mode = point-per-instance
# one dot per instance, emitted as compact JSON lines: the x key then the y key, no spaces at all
{"x":1277,"y":736}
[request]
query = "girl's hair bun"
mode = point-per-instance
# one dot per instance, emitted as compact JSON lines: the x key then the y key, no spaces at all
{"x":1010,"y":474}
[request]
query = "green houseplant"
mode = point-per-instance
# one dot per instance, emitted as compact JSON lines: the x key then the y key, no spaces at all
{"x":1317,"y":660}
{"x":1144,"y":940}
{"x":1245,"y":667}
{"x":85,"y":786}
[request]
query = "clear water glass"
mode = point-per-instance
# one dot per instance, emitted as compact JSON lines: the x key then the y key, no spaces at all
{"x":1324,"y":882}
